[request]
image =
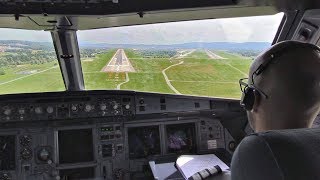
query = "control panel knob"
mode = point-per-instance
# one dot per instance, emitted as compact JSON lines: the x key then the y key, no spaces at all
{"x":103,"y":107}
{"x":232,"y":146}
{"x":25,"y":140}
{"x":116,"y":112}
{"x":50,"y":109}
{"x":7,"y":111}
{"x":38,"y":110}
{"x":43,"y":155}
{"x":88,"y":108}
{"x":74,"y":108}
{"x":115,"y":106}
{"x":5,"y":176}
{"x":141,"y":101}
{"x":22,"y":111}
{"x":26,"y":154}
{"x":127,"y":106}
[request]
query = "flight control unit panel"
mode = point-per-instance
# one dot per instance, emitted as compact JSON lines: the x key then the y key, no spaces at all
{"x":110,"y":135}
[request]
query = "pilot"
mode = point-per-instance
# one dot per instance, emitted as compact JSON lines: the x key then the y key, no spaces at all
{"x":282,"y":92}
{"x":283,"y":88}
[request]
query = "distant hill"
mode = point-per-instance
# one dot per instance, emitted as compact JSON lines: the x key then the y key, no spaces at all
{"x":26,"y":44}
{"x":193,"y":45}
{"x":257,"y":46}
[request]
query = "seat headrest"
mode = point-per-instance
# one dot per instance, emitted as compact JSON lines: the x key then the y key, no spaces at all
{"x":280,"y":154}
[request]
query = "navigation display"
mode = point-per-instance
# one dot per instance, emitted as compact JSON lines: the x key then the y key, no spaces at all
{"x":181,"y":138}
{"x":144,"y":141}
{"x":75,"y":146}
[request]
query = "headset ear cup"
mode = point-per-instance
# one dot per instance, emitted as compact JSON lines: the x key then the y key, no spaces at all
{"x":248,"y":99}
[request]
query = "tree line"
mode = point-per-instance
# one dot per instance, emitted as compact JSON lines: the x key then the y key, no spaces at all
{"x":23,"y":56}
{"x":157,"y":53}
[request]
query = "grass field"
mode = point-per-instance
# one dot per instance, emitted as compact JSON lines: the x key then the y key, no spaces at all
{"x":201,"y":75}
{"x":197,"y":75}
{"x":31,"y":78}
{"x":148,"y":76}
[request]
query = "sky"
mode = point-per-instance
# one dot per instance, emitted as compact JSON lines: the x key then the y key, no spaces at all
{"x":244,"y":29}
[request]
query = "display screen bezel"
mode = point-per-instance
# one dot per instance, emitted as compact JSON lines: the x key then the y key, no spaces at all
{"x":92,"y":147}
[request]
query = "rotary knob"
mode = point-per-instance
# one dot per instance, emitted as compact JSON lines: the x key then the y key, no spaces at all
{"x":115,"y":106}
{"x":103,"y":107}
{"x":50,"y":109}
{"x":38,"y":110}
{"x":88,"y":108}
{"x":22,"y":111}
{"x":127,"y":106}
{"x":43,"y":155}
{"x":74,"y":108}
{"x":5,"y":176}
{"x":7,"y":111}
{"x":116,"y":112}
{"x":232,"y":146}
{"x":25,"y":140}
{"x":26,"y":154}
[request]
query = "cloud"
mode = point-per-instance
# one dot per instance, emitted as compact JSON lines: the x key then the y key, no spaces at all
{"x":244,"y":29}
{"x":25,"y":35}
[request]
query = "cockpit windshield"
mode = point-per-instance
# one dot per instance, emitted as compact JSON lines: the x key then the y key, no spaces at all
{"x":203,"y":57}
{"x":28,"y":62}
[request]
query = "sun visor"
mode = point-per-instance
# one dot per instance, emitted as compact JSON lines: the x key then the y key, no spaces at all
{"x":21,"y":22}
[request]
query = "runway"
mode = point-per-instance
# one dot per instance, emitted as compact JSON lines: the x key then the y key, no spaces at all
{"x":119,"y":63}
{"x":214,"y":55}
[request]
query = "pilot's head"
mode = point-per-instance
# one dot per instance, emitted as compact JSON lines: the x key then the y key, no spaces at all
{"x":283,"y":89}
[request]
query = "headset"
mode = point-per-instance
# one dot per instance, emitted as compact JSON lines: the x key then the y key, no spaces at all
{"x":249,"y":89}
{"x":247,"y":98}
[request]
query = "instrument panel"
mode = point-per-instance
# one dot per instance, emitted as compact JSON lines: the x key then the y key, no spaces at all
{"x":67,"y":107}
{"x":109,"y":135}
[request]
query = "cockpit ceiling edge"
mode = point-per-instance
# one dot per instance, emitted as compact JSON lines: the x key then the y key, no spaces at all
{"x":81,"y":22}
